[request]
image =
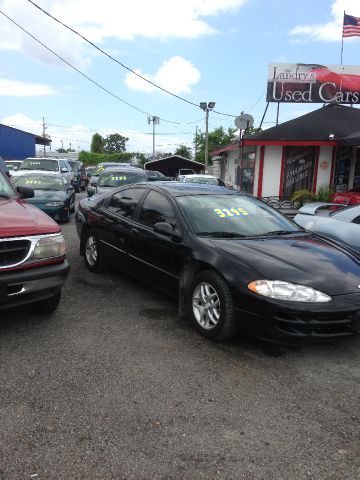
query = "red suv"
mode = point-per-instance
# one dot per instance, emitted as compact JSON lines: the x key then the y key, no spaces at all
{"x":33,"y":267}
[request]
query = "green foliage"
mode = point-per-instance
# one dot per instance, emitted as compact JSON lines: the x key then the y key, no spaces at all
{"x":115,"y":143}
{"x":184,"y":151}
{"x":89,"y":158}
{"x":97,"y":143}
{"x":300,"y":197}
{"x":217,"y":138}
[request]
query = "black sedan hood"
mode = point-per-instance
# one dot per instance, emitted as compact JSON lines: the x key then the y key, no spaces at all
{"x":304,"y":259}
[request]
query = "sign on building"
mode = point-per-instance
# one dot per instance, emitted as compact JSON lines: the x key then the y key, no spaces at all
{"x":311,"y":83}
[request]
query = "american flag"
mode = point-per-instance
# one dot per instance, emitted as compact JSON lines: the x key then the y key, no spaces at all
{"x":351,"y":27}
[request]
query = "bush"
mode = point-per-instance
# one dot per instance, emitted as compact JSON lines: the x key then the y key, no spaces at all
{"x":89,"y":158}
{"x":300,"y":197}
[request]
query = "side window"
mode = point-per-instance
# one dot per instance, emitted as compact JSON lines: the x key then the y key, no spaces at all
{"x":124,"y":202}
{"x":356,"y":220}
{"x":156,"y":208}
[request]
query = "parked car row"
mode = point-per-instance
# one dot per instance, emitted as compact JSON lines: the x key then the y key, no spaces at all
{"x":231,"y":261}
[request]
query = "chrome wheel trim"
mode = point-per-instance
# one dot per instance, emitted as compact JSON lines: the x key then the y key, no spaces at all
{"x":91,"y":252}
{"x":206,"y":306}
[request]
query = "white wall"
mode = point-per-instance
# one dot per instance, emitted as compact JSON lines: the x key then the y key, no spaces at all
{"x":323,"y":175}
{"x":272,"y":171}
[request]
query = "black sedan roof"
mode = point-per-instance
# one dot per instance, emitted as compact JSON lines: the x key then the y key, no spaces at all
{"x":179,"y":189}
{"x":123,"y":169}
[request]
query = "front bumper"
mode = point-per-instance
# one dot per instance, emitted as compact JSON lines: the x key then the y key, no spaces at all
{"x":21,"y":287}
{"x":292,"y":322}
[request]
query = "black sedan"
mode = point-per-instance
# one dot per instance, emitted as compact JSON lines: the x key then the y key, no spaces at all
{"x":231,"y":260}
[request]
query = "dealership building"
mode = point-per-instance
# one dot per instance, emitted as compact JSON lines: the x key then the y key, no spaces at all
{"x":319,"y":148}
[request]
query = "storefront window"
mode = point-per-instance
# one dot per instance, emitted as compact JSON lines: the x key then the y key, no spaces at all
{"x":246,"y":170}
{"x":299,"y":169}
{"x":342,"y":169}
{"x":357,"y":169}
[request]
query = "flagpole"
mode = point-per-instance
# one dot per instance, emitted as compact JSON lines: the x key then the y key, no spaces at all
{"x":342,"y":39}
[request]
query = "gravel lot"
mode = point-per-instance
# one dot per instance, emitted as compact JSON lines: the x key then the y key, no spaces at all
{"x":115,"y":386}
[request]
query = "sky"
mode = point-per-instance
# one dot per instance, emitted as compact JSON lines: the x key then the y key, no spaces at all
{"x":198,"y":50}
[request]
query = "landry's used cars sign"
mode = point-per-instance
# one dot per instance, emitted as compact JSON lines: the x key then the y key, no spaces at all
{"x":311,"y":83}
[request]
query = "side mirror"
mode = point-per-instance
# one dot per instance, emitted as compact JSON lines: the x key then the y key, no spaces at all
{"x":93,"y":183}
{"x":69,"y":188}
{"x":168,"y":230}
{"x":64,"y":170}
{"x":25,"y":192}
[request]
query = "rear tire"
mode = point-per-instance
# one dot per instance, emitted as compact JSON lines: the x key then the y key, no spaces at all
{"x":47,"y":306}
{"x":211,"y":306}
{"x":92,"y":253}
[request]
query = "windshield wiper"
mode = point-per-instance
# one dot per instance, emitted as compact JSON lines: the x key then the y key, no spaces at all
{"x":279,"y":232}
{"x":220,"y":234}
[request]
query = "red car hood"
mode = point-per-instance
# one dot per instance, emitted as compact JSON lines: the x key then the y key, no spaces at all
{"x":18,"y":218}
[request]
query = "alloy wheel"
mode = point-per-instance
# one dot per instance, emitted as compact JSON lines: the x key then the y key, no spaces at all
{"x":91,"y":252}
{"x":206,"y":305}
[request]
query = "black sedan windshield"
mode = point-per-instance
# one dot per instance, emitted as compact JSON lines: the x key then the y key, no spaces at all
{"x":40,"y":182}
{"x":116,"y":179}
{"x":233,"y":215}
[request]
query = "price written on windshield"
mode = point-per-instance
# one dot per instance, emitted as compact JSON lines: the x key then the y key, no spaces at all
{"x":230,"y":212}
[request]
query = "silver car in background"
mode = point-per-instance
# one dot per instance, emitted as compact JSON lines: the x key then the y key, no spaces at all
{"x":338,"y":222}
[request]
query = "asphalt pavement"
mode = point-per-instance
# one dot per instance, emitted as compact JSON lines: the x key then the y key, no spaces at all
{"x":114,"y":385}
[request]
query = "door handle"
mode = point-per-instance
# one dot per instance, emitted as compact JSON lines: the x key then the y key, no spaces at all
{"x":134,"y":231}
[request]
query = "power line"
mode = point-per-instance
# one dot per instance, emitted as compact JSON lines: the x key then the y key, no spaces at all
{"x":111,"y":57}
{"x":122,"y":64}
{"x":81,"y":73}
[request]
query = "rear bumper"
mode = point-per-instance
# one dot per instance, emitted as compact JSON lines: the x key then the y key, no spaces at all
{"x":27,"y":286}
{"x":287,"y":323}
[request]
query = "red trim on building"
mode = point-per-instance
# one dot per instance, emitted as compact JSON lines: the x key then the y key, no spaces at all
{"x":290,"y":143}
{"x":317,"y":155}
{"x":332,"y":171}
{"x":282,"y":172}
{"x":227,"y":148}
{"x":261,"y":171}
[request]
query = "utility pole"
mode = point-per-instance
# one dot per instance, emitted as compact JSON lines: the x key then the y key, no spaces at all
{"x":155,"y":121}
{"x":44,"y":130}
{"x":207,"y":107}
{"x":196,"y":141}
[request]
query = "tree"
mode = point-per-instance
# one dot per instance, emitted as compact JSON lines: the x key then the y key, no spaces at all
{"x":97,"y":143}
{"x":115,"y":143}
{"x":184,"y":151}
{"x":217,"y":138}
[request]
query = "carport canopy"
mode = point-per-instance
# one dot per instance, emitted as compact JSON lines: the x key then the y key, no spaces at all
{"x":170,"y":166}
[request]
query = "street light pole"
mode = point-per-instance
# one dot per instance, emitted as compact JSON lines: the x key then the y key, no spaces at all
{"x":155,"y":121}
{"x":207,"y":107}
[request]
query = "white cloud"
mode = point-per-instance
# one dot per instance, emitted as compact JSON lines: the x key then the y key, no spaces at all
{"x":12,"y":88}
{"x":330,"y":31}
{"x":22,"y":122}
{"x":176,"y":75}
{"x":160,"y":19}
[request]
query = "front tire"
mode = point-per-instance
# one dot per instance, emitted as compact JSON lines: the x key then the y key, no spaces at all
{"x":92,"y":253}
{"x":47,"y":306}
{"x":211,"y":306}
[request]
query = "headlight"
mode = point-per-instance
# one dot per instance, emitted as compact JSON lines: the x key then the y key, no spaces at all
{"x":54,"y":204}
{"x":287,"y":291}
{"x":53,"y":246}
